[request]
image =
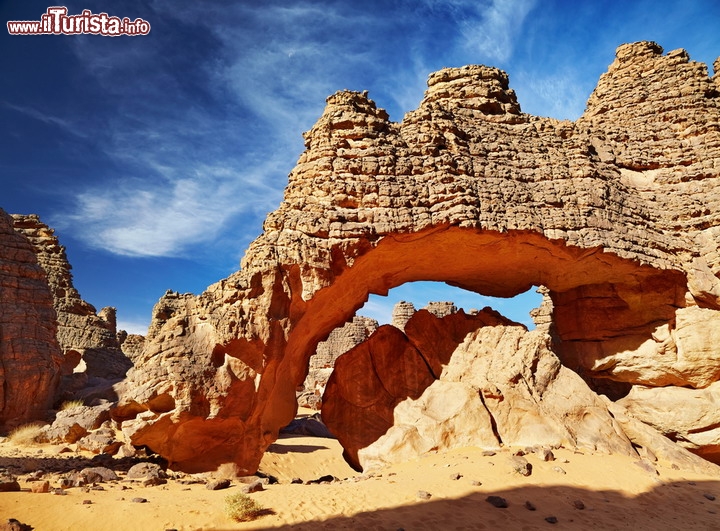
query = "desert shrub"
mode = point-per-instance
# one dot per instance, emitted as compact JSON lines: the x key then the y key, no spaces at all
{"x":27,"y":434}
{"x":242,"y":508}
{"x":70,"y":404}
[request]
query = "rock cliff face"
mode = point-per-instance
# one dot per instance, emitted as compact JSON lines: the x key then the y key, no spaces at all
{"x":617,"y":215}
{"x":86,"y":337}
{"x":30,"y":356}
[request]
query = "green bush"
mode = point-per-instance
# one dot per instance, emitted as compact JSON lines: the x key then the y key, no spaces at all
{"x":242,"y":508}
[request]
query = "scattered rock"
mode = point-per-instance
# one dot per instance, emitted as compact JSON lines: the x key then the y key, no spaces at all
{"x":709,"y":496}
{"x":578,"y":504}
{"x":155,"y":481}
{"x":15,"y":525}
{"x":488,"y":453}
{"x":139,"y":500}
{"x":40,"y":487}
{"x":423,"y":495}
{"x":255,"y":486}
{"x":551,"y":520}
{"x":455,"y":476}
{"x":322,"y":479}
{"x":497,"y":501}
{"x":545,"y":454}
{"x":87,"y":502}
{"x":296,"y":481}
{"x":521,"y":465}
{"x":9,"y":484}
{"x":218,"y":484}
{"x":559,"y":470}
{"x":144,"y":471}
{"x":476,"y":483}
{"x":530,"y":506}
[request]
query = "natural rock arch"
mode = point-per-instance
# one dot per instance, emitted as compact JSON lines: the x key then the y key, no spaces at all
{"x":617,"y":214}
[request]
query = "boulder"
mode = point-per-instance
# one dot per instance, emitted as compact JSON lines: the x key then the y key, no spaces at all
{"x":687,"y":416}
{"x":502,"y":386}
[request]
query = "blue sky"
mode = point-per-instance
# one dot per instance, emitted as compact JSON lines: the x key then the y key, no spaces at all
{"x":157,"y":157}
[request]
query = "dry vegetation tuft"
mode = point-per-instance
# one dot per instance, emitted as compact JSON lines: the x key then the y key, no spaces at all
{"x":242,"y":508}
{"x":70,"y":404}
{"x":26,"y":435}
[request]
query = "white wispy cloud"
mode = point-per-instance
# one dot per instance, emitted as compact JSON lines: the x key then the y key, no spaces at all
{"x":561,"y":94}
{"x":64,"y":124}
{"x":494,"y":30}
{"x":163,"y":219}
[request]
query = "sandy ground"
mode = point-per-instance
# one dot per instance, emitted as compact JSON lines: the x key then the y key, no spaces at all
{"x":595,"y":492}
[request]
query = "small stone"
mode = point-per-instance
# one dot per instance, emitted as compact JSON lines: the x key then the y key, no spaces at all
{"x":218,"y":484}
{"x":455,"y":477}
{"x":255,"y":486}
{"x":15,"y":525}
{"x":9,"y":484}
{"x":59,"y":492}
{"x":545,"y":454}
{"x":709,"y":496}
{"x":423,"y":495}
{"x":530,"y":506}
{"x":521,"y":466}
{"x":559,"y":470}
{"x":151,"y":482}
{"x":488,"y":453}
{"x":139,"y":500}
{"x":578,"y":504}
{"x":476,"y":483}
{"x":497,"y":501}
{"x":551,"y":520}
{"x":87,"y":502}
{"x":41,"y":487}
{"x":296,"y":481}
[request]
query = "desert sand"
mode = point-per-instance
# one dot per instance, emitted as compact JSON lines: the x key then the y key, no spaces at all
{"x":580,"y":489}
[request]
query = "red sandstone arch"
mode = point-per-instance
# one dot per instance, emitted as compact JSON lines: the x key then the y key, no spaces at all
{"x":598,"y":296}
{"x":617,"y":214}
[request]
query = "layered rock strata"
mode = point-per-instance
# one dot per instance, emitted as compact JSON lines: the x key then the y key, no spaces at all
{"x":30,"y":356}
{"x":616,"y":214}
{"x":88,"y":338}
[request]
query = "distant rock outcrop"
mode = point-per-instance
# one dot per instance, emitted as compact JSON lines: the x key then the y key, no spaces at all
{"x":93,"y":360}
{"x":30,"y":357}
{"x":617,"y":215}
{"x":373,"y":378}
{"x":322,"y":362}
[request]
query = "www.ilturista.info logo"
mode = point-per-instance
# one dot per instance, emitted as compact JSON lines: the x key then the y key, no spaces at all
{"x":56,"y":21}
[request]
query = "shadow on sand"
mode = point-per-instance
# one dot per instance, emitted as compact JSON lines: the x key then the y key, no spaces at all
{"x":685,"y":505}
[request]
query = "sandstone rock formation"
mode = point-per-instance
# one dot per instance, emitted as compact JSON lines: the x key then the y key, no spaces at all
{"x":502,"y":386}
{"x":351,"y":334}
{"x":374,"y":377}
{"x":616,"y":214}
{"x":92,"y":355}
{"x":322,"y":362}
{"x":30,"y":356}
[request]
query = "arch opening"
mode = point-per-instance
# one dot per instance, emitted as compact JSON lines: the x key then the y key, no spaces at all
{"x":598,"y":298}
